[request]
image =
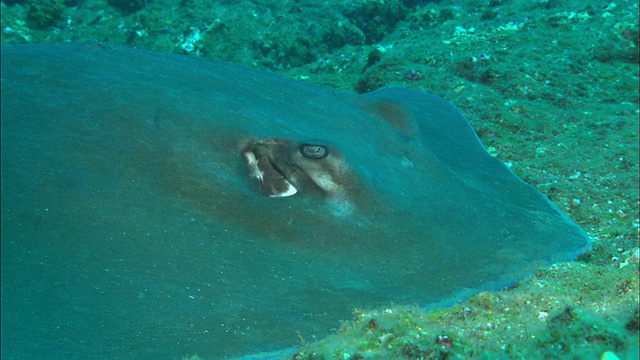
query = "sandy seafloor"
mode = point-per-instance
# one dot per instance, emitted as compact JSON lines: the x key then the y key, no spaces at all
{"x":550,"y":86}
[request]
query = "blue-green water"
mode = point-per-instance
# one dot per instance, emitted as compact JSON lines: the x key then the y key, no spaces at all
{"x":560,"y":107}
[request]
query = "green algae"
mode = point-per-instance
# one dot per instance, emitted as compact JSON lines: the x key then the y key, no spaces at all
{"x":531,"y":320}
{"x":45,"y":13}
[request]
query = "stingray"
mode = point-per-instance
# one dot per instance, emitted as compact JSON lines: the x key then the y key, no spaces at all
{"x":157,"y":205}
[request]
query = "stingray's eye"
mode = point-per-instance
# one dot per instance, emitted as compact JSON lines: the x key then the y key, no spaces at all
{"x":314,"y":151}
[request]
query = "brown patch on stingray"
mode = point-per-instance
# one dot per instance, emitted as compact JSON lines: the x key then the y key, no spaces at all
{"x":394,"y":114}
{"x":281,"y":168}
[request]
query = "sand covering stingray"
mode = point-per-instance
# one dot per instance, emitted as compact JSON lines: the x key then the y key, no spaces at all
{"x":155,"y":205}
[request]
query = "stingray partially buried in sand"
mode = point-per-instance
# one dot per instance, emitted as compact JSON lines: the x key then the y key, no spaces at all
{"x":156,"y":205}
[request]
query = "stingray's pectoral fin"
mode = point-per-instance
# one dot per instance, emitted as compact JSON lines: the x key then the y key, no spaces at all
{"x":269,"y":180}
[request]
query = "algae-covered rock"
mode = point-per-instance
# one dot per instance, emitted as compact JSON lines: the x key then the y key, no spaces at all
{"x":45,"y":13}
